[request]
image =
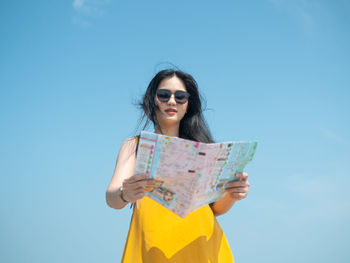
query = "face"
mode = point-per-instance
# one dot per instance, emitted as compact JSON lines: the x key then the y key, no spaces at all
{"x":171,"y":112}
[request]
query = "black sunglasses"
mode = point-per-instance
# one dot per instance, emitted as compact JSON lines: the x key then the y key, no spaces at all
{"x":181,"y":96}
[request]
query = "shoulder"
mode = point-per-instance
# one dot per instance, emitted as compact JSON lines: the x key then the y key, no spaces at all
{"x":129,"y":143}
{"x":127,"y":150}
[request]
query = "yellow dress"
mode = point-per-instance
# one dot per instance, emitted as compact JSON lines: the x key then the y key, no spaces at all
{"x":157,"y":235}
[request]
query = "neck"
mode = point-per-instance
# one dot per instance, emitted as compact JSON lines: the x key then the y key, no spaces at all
{"x":168,"y":130}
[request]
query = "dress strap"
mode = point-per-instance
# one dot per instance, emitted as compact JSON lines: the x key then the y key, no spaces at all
{"x":137,"y":138}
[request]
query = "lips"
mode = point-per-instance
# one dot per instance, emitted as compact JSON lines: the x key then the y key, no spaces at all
{"x":170,"y":110}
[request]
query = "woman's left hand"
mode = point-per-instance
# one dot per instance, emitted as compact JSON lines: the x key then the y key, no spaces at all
{"x":238,"y":189}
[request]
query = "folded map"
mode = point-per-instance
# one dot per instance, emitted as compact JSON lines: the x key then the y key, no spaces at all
{"x":192,"y":173}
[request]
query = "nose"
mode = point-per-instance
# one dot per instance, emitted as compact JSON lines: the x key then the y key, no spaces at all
{"x":172,"y":101}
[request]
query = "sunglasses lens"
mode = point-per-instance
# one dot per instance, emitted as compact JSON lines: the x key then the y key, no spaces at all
{"x":181,"y":97}
{"x":163,"y":95}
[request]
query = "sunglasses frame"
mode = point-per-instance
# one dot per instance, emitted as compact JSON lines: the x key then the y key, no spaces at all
{"x":169,"y":93}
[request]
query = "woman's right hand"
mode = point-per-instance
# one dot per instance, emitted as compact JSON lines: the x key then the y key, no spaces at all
{"x":136,"y":186}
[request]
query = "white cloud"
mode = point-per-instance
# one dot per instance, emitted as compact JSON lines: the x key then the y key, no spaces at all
{"x":331,"y":135}
{"x":81,"y":22}
{"x":86,"y":10}
{"x":93,"y":8}
{"x":304,"y":11}
{"x":78,"y":4}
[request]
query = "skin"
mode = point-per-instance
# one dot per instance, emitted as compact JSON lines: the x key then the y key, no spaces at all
{"x":170,"y":123}
{"x":135,"y":187}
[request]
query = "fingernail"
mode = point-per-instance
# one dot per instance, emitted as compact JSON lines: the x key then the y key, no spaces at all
{"x":149,"y":188}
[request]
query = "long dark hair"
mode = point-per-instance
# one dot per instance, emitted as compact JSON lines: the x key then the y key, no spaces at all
{"x":192,"y":125}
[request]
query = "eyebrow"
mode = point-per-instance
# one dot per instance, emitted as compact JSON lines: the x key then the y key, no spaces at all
{"x":175,"y":90}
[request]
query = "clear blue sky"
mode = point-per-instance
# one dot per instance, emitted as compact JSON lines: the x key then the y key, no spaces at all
{"x":276,"y":71}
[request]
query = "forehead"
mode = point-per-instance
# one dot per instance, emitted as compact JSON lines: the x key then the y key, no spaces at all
{"x":172,"y":84}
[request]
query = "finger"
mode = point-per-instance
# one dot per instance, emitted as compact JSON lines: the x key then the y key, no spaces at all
{"x":138,"y":189}
{"x":238,"y":190}
{"x":238,"y":196}
{"x":237,"y":184}
{"x":136,"y":178}
{"x":140,"y":186}
{"x":242,"y":176}
{"x":154,"y":182}
{"x":139,"y":195}
{"x":145,"y":183}
{"x":135,"y":185}
{"x":133,"y":196}
{"x":149,"y":188}
{"x":157,"y":182}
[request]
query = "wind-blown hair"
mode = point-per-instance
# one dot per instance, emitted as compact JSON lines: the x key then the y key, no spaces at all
{"x":192,"y":125}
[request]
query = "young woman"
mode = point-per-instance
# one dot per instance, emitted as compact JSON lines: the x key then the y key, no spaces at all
{"x":156,"y":234}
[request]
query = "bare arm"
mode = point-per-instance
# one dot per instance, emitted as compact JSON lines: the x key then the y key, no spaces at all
{"x":124,"y":169}
{"x":134,"y":187}
{"x":234,"y":192}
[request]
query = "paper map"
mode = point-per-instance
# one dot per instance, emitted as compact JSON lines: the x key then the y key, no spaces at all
{"x":193,"y":173}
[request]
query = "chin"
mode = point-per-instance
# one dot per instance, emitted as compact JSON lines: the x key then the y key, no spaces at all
{"x":171,"y":120}
{"x":164,"y":117}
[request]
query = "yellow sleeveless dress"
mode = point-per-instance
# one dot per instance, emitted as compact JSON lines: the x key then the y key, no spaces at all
{"x":157,"y":235}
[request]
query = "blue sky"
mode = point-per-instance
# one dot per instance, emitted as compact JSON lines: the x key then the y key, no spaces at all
{"x":276,"y":71}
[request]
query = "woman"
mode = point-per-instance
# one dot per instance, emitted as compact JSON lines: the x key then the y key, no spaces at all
{"x":156,"y":234}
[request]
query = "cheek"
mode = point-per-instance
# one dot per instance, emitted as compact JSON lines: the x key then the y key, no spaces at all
{"x":186,"y":107}
{"x":183,"y":111}
{"x":157,"y":103}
